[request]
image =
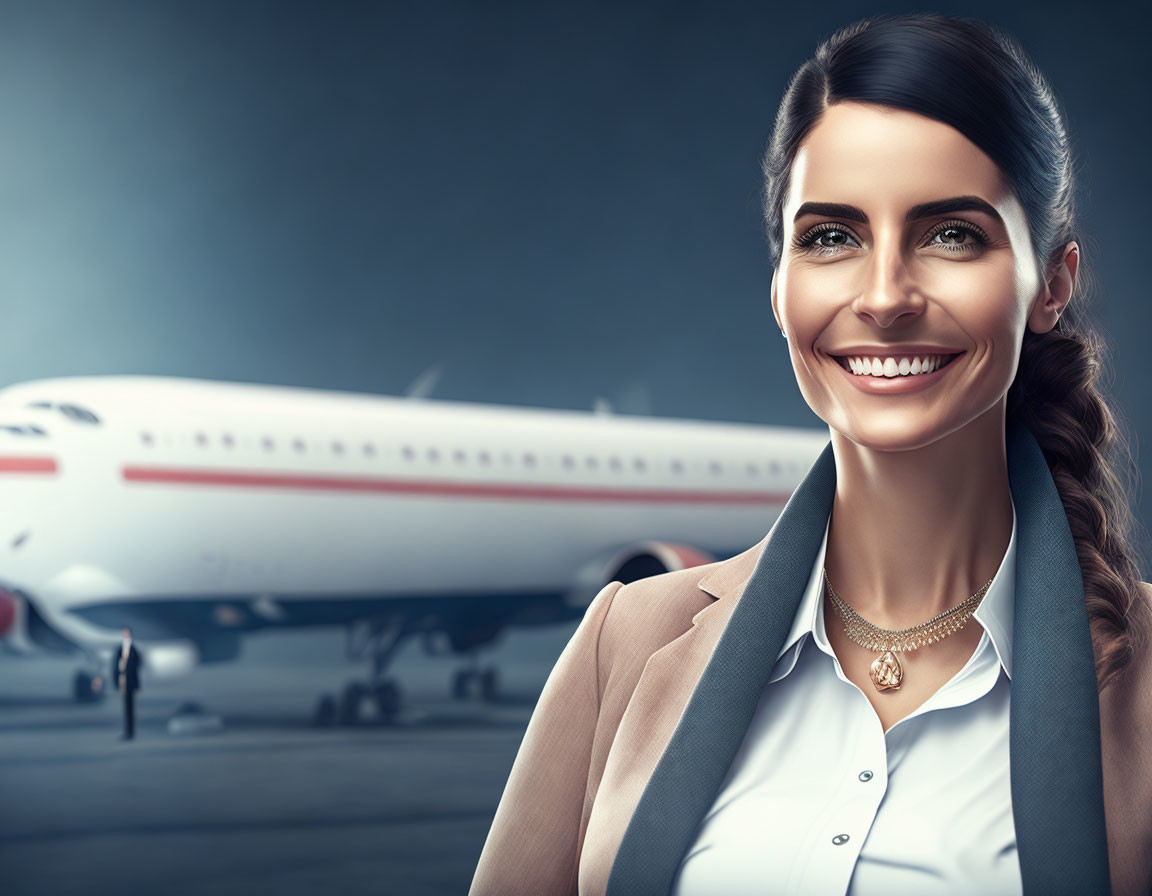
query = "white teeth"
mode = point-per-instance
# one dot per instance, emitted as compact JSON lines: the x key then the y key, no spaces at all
{"x":890,"y":367}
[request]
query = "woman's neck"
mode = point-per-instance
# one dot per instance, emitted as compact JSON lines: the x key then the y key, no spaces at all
{"x":915,"y":532}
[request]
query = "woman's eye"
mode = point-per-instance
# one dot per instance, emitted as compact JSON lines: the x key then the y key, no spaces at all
{"x":956,"y":236}
{"x":825,"y":239}
{"x":831,"y":238}
{"x":952,"y":234}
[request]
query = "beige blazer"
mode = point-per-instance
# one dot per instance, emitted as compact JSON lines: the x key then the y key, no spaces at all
{"x":618,"y":717}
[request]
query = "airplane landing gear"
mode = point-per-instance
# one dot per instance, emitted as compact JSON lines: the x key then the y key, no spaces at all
{"x":325,"y":715}
{"x":387,"y":697}
{"x":379,"y":699}
{"x":472,"y":681}
{"x":363,"y":703}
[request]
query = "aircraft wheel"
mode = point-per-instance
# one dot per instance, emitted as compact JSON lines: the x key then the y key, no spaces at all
{"x":350,"y":702}
{"x":387,"y":695}
{"x":87,"y":688}
{"x":325,"y":716}
{"x":490,"y":685}
{"x":462,"y":683}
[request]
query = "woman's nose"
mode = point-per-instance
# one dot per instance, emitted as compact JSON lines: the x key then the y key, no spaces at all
{"x":889,"y":292}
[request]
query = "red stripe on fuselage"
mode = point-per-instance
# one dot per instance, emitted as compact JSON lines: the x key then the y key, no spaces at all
{"x":27,"y":465}
{"x":247,"y":479}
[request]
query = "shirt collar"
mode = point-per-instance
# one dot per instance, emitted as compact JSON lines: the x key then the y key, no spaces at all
{"x":995,"y":612}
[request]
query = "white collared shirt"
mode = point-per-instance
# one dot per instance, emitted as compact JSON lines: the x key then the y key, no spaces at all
{"x":819,"y":800}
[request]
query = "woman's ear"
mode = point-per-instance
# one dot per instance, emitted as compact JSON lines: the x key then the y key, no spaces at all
{"x":1057,"y":291}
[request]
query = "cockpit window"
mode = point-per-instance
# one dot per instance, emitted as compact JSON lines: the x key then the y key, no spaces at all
{"x":79,"y":414}
{"x":71,"y":411}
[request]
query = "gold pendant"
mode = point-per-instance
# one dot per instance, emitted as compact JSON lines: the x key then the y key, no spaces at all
{"x":886,"y":671}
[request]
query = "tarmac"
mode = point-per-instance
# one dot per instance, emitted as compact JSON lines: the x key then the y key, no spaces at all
{"x":265,"y":802}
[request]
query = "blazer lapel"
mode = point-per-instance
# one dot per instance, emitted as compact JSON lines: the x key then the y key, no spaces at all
{"x":1056,"y":779}
{"x":712,"y":727}
{"x":1054,"y":721}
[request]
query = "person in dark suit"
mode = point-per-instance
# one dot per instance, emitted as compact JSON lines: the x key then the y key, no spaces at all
{"x":126,"y":674}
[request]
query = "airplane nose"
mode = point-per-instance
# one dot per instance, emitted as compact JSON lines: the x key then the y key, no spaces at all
{"x":8,"y":602}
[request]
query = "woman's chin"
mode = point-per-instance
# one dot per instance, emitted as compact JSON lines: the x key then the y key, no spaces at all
{"x":892,"y":435}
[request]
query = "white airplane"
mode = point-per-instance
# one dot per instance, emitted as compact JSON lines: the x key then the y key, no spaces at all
{"x":197,"y":511}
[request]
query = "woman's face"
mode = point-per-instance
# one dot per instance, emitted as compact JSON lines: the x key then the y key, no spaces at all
{"x":887,"y":276}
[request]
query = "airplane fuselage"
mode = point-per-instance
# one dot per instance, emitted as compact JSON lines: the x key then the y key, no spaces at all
{"x":186,"y":504}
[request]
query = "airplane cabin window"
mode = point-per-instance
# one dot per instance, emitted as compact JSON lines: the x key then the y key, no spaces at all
{"x":267,"y":444}
{"x":568,"y":461}
{"x":530,"y":459}
{"x":146,"y":438}
{"x":752,"y":470}
{"x":714,"y":467}
{"x":484,"y":457}
{"x":299,"y":446}
{"x":433,"y":454}
{"x":774,"y":467}
{"x":591,"y":462}
{"x":337,"y":447}
{"x":369,"y":449}
{"x":614,"y":463}
{"x":459,"y":456}
{"x":408,"y":452}
{"x":227,"y":440}
{"x":639,"y":464}
{"x":677,"y":466}
{"x":201,"y":439}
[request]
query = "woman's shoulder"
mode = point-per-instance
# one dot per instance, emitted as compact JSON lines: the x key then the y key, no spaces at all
{"x":648,"y":613}
{"x":652,"y":612}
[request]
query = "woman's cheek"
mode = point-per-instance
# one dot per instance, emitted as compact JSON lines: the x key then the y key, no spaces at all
{"x":811,"y":303}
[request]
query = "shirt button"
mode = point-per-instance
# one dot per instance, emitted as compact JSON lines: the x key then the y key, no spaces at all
{"x":840,"y":839}
{"x":865,"y":775}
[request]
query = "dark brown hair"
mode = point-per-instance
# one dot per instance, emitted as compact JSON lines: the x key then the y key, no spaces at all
{"x":978,"y":80}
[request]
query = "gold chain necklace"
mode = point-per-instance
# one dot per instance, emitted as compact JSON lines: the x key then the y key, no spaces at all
{"x":886,"y":672}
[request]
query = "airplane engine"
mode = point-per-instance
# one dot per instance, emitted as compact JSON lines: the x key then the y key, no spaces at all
{"x":14,"y":636}
{"x":8,"y":606}
{"x":638,"y":560}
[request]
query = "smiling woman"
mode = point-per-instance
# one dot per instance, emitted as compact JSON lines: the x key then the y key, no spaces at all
{"x":934,"y":675}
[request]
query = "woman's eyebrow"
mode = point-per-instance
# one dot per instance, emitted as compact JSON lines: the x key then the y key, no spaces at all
{"x":923,"y":210}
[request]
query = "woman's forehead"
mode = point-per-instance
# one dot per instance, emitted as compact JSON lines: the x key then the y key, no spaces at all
{"x":887,"y":160}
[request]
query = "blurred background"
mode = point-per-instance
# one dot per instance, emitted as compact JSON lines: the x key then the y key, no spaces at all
{"x":548,"y":203}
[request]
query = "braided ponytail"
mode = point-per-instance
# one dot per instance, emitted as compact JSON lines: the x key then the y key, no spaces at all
{"x":1058,"y":395}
